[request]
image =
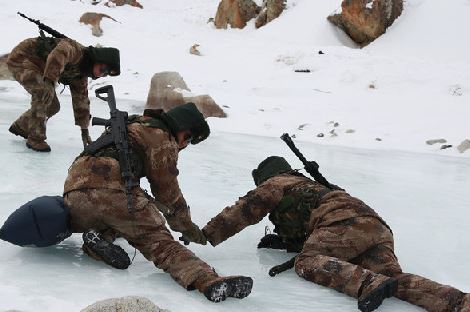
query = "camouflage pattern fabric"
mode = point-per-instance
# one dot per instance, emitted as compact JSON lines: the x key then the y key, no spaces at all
{"x":105,"y":210}
{"x":158,"y":152}
{"x":38,"y":74}
{"x":347,"y":242}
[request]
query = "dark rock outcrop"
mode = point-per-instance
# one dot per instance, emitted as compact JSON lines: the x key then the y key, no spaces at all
{"x":270,"y":10}
{"x":366,"y":20}
{"x":235,"y":13}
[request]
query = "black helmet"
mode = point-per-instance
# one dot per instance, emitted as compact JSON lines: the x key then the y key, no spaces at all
{"x":188,"y":117}
{"x":270,"y":167}
{"x":108,"y":56}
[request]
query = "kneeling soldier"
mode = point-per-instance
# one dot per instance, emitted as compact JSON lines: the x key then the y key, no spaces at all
{"x":342,"y":243}
{"x":95,"y":193}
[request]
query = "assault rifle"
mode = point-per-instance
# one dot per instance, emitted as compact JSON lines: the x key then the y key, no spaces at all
{"x":42,"y":27}
{"x":310,"y":166}
{"x":117,"y":125}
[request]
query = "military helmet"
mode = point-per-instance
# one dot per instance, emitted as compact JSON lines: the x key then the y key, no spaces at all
{"x":270,"y":167}
{"x":188,"y":117}
{"x":108,"y":56}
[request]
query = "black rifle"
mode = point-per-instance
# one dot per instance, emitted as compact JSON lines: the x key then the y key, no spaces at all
{"x":118,"y":126}
{"x":275,"y":270}
{"x":41,"y":26}
{"x":310,"y":166}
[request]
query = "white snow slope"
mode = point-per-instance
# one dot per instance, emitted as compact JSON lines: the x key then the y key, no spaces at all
{"x":420,"y":70}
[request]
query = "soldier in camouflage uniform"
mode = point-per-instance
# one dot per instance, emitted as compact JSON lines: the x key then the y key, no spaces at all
{"x":95,"y":193}
{"x":38,"y":64}
{"x":342,"y":243}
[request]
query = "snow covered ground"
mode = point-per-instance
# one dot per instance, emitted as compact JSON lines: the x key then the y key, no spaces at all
{"x":411,"y":85}
{"x":421,"y":76}
{"x":424,"y":198}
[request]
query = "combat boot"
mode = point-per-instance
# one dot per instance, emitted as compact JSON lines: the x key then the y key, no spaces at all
{"x":217,"y":289}
{"x":100,"y":249}
{"x":17,"y":130}
{"x":38,"y":145}
{"x":375,"y":290}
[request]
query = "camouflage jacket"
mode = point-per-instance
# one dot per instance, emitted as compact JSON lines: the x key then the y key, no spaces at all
{"x":324,"y":207}
{"x":158,"y":152}
{"x":58,"y":62}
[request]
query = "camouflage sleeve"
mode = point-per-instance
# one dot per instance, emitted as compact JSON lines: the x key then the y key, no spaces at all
{"x":162,"y":175}
{"x":66,"y":52}
{"x":249,"y":209}
{"x":80,"y":102}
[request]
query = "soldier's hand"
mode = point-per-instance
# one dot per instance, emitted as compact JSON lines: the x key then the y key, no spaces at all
{"x":272,"y":241}
{"x":86,"y":139}
{"x":194,"y":235}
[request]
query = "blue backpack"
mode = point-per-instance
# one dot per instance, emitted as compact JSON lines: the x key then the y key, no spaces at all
{"x":42,"y":222}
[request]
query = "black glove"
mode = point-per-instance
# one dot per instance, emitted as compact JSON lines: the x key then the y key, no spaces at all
{"x":271,"y":241}
{"x":86,"y":139}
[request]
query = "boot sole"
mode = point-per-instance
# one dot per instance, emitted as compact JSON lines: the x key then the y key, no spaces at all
{"x":111,"y":254}
{"x":237,"y":287}
{"x":38,"y":150}
{"x":376,"y":297}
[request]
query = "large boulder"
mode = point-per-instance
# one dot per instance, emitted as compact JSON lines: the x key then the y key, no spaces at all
{"x":168,"y":90}
{"x":94,"y":19}
{"x":366,"y":20}
{"x":5,"y":73}
{"x":124,"y":304}
{"x":270,"y":10}
{"x":235,"y":13}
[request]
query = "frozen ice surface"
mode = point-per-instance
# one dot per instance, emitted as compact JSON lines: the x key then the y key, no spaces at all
{"x":423,"y":197}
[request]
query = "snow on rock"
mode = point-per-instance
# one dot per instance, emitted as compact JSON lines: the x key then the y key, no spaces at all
{"x":124,"y":304}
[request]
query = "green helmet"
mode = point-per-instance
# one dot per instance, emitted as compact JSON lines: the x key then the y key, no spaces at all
{"x":270,"y":167}
{"x":188,"y":117}
{"x":108,"y":56}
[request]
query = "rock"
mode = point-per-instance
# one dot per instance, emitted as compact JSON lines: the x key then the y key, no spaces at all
{"x":465,"y":145}
{"x":133,"y":3}
{"x":270,"y":10}
{"x":350,"y":131}
{"x":366,"y":20}
{"x":166,"y":92}
{"x":194,"y":50}
{"x":434,"y":141}
{"x":446,"y":146}
{"x":94,"y":19}
{"x":321,"y":52}
{"x":336,"y":124}
{"x":302,"y":126}
{"x":320,"y":135}
{"x":378,"y":139}
{"x":5,"y":73}
{"x":235,"y":13}
{"x":456,"y":90}
{"x":124,"y":304}
{"x":302,"y":70}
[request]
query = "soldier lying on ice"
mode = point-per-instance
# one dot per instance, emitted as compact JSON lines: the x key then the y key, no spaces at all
{"x":342,"y":243}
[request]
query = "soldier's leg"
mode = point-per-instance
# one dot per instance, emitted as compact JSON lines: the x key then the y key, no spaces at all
{"x":412,"y":288}
{"x":325,"y":260}
{"x":145,"y":229}
{"x":43,"y":99}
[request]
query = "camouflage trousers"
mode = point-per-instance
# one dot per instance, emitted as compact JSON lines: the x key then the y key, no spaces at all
{"x":44,"y":102}
{"x":345,"y":254}
{"x":105,"y":211}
